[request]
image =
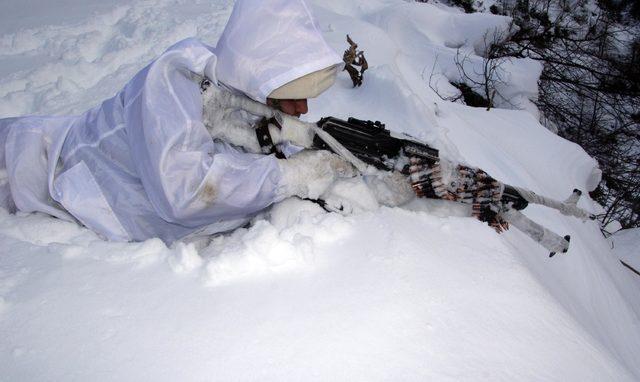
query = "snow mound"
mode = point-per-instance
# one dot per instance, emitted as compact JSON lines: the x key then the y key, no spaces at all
{"x":366,"y":296}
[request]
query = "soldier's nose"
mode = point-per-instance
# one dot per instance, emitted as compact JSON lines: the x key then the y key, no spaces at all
{"x":301,"y":106}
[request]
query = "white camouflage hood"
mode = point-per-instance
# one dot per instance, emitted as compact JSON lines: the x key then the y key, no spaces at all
{"x":268,"y":43}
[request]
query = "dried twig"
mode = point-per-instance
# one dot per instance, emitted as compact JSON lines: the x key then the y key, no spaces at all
{"x":355,"y":58}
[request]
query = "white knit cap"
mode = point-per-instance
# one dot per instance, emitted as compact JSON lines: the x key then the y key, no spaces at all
{"x":308,"y":86}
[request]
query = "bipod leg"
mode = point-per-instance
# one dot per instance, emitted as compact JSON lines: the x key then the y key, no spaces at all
{"x":543,"y":236}
{"x":568,"y":207}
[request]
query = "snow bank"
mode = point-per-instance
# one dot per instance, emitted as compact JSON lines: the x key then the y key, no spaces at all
{"x":410,"y":294}
{"x":306,"y":295}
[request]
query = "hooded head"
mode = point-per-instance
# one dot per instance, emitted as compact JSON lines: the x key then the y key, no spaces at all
{"x":273,"y":48}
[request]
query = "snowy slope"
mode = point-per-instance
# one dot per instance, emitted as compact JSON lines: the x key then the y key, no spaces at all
{"x":625,"y":245}
{"x":301,"y":294}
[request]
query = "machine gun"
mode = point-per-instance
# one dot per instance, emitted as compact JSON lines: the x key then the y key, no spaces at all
{"x":431,"y":176}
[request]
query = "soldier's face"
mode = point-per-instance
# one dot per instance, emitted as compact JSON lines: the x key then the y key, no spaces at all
{"x":295,"y":107}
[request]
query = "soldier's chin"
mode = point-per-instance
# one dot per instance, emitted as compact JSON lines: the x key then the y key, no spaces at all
{"x":297,"y":115}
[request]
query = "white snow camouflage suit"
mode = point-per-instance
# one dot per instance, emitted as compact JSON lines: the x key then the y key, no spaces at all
{"x":142,"y":164}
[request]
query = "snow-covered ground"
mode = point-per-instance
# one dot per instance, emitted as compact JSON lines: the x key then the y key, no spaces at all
{"x":392,"y":294}
{"x":626,"y":245}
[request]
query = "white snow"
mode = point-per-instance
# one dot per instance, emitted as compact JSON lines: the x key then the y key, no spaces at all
{"x":625,"y":245}
{"x":419,"y":293}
